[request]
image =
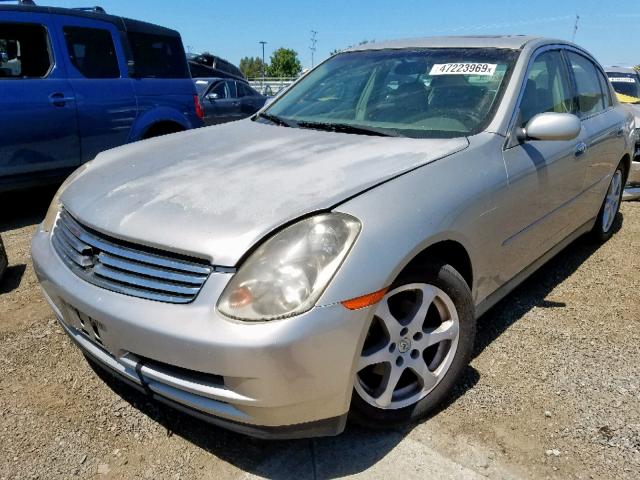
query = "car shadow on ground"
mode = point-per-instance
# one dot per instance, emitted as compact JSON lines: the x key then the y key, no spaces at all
{"x":25,"y":207}
{"x":11,"y":278}
{"x":357,"y":449}
{"x":533,"y":292}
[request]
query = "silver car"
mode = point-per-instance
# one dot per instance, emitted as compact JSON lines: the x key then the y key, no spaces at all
{"x":626,"y":83}
{"x":332,"y":254}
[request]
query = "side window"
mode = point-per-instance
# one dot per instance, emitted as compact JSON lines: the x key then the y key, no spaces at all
{"x":92,"y":52}
{"x":24,"y":51}
{"x":233,"y":91}
{"x":158,"y":56}
{"x":245,"y":90}
{"x":220,"y":89}
{"x":590,"y":95}
{"x":604,"y":85}
{"x":547,"y":88}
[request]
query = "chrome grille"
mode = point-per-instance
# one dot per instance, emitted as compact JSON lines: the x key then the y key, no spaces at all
{"x":115,"y":266}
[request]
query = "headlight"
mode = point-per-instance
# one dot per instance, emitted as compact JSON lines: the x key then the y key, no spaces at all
{"x":54,"y":207}
{"x":287,"y":274}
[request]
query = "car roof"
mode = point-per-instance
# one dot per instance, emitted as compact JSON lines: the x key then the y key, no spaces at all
{"x":122,"y":23}
{"x":515,"y":42}
{"x":620,"y":70}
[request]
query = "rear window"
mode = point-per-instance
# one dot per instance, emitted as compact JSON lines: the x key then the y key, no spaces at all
{"x":158,"y":56}
{"x":625,"y":83}
{"x":24,"y":51}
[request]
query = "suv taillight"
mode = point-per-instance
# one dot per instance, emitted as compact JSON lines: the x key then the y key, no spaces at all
{"x":198,"y":105}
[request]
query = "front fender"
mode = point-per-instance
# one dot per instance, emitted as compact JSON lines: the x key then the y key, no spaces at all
{"x":457,"y":198}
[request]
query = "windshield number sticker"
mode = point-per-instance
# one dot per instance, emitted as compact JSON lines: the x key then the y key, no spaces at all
{"x":463,"y":69}
{"x":622,"y":80}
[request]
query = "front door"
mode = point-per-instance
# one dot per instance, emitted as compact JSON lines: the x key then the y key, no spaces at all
{"x":545,"y":177}
{"x":38,"y":126}
{"x":221,"y":104}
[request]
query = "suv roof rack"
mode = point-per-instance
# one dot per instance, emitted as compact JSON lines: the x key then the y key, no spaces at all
{"x":30,"y":3}
{"x":89,"y":9}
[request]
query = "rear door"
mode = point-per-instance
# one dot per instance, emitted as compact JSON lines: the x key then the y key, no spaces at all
{"x":38,"y":125}
{"x":604,"y":127}
{"x":545,"y":177}
{"x":250,"y":100}
{"x":97,"y":70}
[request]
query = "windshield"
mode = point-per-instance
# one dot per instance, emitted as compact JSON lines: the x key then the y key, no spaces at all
{"x":422,"y":93}
{"x":625,"y":83}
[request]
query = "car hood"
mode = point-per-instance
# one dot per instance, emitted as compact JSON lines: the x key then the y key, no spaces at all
{"x":215,"y":192}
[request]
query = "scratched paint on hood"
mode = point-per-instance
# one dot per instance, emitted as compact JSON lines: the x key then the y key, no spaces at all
{"x":214,"y":192}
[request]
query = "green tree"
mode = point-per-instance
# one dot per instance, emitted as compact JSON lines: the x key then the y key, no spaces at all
{"x":284,"y":63}
{"x":252,"y":67}
{"x":637,"y":67}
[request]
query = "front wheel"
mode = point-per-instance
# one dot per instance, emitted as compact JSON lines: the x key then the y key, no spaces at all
{"x":603,"y":229}
{"x":419,"y":342}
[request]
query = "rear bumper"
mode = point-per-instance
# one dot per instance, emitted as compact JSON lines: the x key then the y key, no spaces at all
{"x":283,"y":379}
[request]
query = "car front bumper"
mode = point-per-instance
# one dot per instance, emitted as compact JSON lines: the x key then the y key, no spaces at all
{"x":289,"y":378}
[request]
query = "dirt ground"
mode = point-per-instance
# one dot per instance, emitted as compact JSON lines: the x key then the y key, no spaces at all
{"x":553,"y":391}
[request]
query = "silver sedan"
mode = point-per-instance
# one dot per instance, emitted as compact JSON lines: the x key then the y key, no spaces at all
{"x":332,"y":254}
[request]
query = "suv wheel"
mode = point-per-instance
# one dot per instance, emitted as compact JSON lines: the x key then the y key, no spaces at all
{"x":419,"y":342}
{"x":603,"y":229}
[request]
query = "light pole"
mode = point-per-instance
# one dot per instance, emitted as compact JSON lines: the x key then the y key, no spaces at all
{"x":313,"y":45}
{"x":263,"y":43}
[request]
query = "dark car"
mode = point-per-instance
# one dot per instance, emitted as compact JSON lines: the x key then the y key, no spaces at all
{"x":205,"y":65}
{"x":226,"y":100}
{"x":76,"y":82}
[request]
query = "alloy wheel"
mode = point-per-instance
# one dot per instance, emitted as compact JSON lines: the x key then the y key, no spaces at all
{"x":612,"y":201}
{"x":409,"y":348}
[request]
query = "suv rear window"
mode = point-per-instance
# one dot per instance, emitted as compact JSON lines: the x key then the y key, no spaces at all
{"x":158,"y":56}
{"x":92,"y":52}
{"x":24,"y":51}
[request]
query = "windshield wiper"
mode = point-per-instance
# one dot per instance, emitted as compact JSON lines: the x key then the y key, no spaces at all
{"x":347,"y":128}
{"x":275,"y":119}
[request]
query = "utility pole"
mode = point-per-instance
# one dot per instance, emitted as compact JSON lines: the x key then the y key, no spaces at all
{"x":575,"y":28}
{"x":313,"y":46}
{"x":263,"y":43}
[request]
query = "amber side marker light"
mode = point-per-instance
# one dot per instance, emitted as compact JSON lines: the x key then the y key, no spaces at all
{"x":365,"y":301}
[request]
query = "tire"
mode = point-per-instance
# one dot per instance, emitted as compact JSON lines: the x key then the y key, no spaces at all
{"x":3,"y":259}
{"x":415,"y":396}
{"x":605,"y":222}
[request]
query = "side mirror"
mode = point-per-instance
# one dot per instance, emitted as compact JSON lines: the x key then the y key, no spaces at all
{"x":213,"y":96}
{"x":551,"y":126}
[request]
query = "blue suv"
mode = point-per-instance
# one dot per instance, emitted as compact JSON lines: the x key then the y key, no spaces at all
{"x":75,"y":82}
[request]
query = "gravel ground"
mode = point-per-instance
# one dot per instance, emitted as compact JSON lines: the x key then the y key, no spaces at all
{"x":553,"y":392}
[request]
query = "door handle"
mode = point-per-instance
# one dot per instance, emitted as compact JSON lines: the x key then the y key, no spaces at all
{"x":58,"y":99}
{"x":580,"y":149}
